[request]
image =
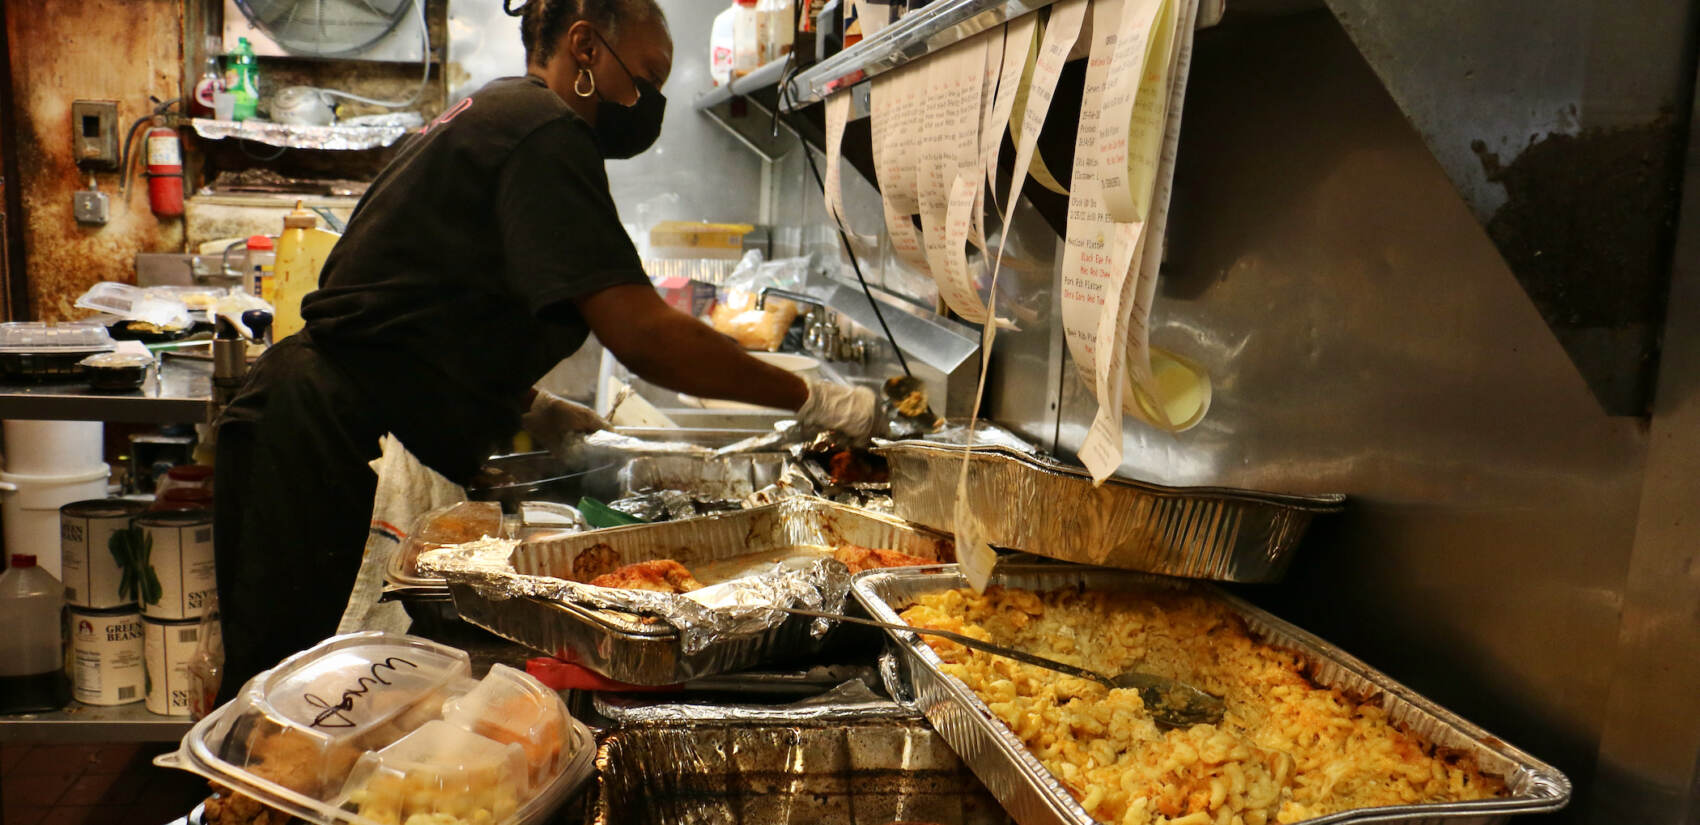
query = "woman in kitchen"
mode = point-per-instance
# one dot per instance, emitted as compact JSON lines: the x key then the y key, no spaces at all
{"x":480,"y":257}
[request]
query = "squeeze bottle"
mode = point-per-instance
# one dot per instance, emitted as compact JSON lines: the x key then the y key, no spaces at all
{"x":301,"y":253}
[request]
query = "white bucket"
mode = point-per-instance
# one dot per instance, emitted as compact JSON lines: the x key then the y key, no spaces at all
{"x":52,"y":448}
{"x":29,"y":510}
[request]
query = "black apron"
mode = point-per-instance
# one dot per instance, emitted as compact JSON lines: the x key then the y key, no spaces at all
{"x":292,"y":505}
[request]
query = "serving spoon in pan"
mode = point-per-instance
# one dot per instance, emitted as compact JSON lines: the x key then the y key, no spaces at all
{"x":1170,"y":702}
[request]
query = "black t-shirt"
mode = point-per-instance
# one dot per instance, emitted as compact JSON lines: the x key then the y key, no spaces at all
{"x":451,"y":292}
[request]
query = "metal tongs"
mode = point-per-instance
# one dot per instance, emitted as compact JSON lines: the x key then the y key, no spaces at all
{"x":1171,"y":703}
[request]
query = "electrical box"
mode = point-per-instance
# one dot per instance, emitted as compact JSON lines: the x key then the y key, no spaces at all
{"x":94,"y":134}
{"x":91,"y":207}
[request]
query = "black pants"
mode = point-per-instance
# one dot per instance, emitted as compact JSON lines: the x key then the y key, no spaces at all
{"x":293,"y":504}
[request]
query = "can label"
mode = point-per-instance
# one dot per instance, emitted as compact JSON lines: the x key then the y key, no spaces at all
{"x":168,"y":647}
{"x":99,"y":556}
{"x":179,"y":579}
{"x":107,"y":658}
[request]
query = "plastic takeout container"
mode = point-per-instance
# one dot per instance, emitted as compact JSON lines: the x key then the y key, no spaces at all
{"x":440,"y":769}
{"x":372,"y":728}
{"x":36,"y":336}
{"x":36,"y":351}
{"x":164,"y":310}
{"x":116,"y":371}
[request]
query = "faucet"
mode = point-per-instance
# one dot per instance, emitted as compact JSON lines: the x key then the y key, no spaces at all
{"x":820,"y":327}
{"x":799,"y":297}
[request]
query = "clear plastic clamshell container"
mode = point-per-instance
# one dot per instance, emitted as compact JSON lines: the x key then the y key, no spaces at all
{"x":375,"y":728}
{"x":440,"y":769}
{"x":37,"y":336}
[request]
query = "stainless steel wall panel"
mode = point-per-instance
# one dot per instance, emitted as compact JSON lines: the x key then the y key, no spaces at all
{"x":1365,"y":337}
{"x":696,"y":171}
{"x":1650,"y":753}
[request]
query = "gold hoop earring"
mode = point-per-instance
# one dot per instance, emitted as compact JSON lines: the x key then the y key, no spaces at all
{"x":578,"y":83}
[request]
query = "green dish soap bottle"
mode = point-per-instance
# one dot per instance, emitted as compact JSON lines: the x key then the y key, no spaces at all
{"x":242,"y":78}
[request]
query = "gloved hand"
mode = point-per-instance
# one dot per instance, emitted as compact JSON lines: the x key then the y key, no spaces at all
{"x":853,"y":411}
{"x":558,"y":424}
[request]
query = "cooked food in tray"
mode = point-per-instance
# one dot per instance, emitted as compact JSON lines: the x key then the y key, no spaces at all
{"x":1287,"y":750}
{"x":660,"y":576}
{"x":451,"y":524}
{"x":377,"y":728}
{"x":869,"y":558}
{"x":599,"y":565}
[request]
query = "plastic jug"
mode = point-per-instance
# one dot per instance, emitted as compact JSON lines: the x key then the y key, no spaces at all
{"x":746,"y":39}
{"x":720,"y":46}
{"x":32,"y":653}
{"x":301,"y":253}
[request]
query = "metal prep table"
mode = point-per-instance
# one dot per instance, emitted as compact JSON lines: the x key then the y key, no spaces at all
{"x":179,"y":391}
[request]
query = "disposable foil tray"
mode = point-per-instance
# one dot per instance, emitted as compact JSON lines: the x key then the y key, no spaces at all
{"x":853,"y":763}
{"x":1034,"y":796}
{"x":719,"y":477}
{"x":638,"y":648}
{"x":1050,"y":509}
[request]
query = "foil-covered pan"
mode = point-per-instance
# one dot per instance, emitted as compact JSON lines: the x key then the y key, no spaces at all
{"x":524,"y":592}
{"x":1034,"y":796}
{"x":723,"y":477}
{"x":1050,"y":509}
{"x":840,"y":761}
{"x":850,"y":701}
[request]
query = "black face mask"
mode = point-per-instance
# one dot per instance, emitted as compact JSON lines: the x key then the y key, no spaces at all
{"x":626,"y":131}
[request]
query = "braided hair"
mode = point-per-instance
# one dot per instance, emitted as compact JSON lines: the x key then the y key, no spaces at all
{"x":542,"y":22}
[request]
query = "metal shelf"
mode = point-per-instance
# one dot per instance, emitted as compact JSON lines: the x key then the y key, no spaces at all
{"x":936,"y":26}
{"x":761,"y":79}
{"x":91,"y":723}
{"x":181,"y":391}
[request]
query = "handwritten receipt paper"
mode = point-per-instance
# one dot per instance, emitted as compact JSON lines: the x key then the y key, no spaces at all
{"x":937,"y":126}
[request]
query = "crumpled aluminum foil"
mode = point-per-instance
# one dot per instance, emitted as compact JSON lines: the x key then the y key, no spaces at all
{"x":340,"y":136}
{"x":792,"y":482}
{"x":985,"y":434}
{"x":851,"y":701}
{"x":734,"y":608}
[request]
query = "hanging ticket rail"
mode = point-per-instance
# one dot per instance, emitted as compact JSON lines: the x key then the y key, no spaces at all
{"x":936,"y":26}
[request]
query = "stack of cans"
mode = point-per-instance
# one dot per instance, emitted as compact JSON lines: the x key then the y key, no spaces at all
{"x":138,"y":584}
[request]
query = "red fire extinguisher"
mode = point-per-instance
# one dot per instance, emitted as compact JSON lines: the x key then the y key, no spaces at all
{"x":165,"y":169}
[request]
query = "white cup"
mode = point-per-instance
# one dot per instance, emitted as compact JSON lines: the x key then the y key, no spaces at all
{"x":224,"y":105}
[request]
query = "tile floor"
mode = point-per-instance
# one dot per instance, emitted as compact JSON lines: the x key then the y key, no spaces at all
{"x":92,"y":785}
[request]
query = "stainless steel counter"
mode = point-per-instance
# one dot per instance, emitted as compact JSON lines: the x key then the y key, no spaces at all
{"x":81,"y":723}
{"x":180,"y":392}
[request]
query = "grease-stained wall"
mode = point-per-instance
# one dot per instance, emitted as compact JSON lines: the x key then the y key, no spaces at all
{"x":123,"y":50}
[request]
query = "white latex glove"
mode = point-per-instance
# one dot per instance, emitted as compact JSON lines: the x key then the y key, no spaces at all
{"x":853,"y":411}
{"x":557,"y":424}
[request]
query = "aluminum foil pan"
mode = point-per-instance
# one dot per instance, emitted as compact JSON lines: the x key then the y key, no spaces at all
{"x":1034,"y":796}
{"x":656,"y":442}
{"x":1051,"y":509}
{"x":825,"y":769}
{"x":721,"y":477}
{"x":520,"y":590}
{"x":850,"y":702}
{"x":985,"y":434}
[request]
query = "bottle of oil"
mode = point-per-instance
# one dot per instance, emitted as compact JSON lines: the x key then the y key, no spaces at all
{"x":301,"y":253}
{"x":32,"y":652}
